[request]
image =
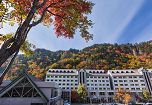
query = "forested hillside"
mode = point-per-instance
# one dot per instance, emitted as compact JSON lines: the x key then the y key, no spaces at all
{"x":99,"y":56}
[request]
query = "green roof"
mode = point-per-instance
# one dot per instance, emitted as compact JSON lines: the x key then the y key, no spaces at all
{"x":143,"y":70}
{"x":82,"y":69}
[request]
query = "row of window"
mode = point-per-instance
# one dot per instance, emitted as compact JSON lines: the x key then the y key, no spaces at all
{"x":61,"y":80}
{"x":130,"y":84}
{"x":97,"y":84}
{"x":128,"y":80}
{"x":98,"y":81}
{"x":71,"y":84}
{"x":62,"y":76}
{"x":132,"y":88}
{"x":101,"y":93}
{"x":129,"y":77}
{"x":98,"y":88}
{"x":96,"y":77}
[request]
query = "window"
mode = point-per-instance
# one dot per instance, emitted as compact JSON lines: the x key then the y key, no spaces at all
{"x":87,"y":80}
{"x":91,"y":80}
{"x":63,"y":80}
{"x":60,"y":76}
{"x":132,"y":88}
{"x":120,"y":81}
{"x":48,"y":76}
{"x":126,"y":84}
{"x":103,"y":80}
{"x":138,"y":88}
{"x":59,"y":83}
{"x":114,"y":77}
{"x":76,"y":84}
{"x":99,"y":84}
{"x":103,"y":84}
{"x":71,"y":76}
{"x":100,"y":88}
{"x":116,"y":84}
{"x":75,"y":80}
{"x":87,"y":84}
{"x":95,"y":81}
{"x":107,"y":80}
{"x":136,"y":84}
{"x":135,"y":80}
{"x":104,"y":88}
{"x":95,"y":77}
{"x":59,"y":80}
{"x":47,"y":79}
{"x":135,"y":77}
{"x":120,"y":77}
{"x":110,"y":93}
{"x":124,"y":77}
{"x":140,"y":76}
{"x":63,"y":83}
{"x":130,"y":80}
{"x":56,"y":80}
{"x":56,"y":76}
{"x":121,"y":84}
{"x":63,"y":76}
{"x":51,"y":79}
{"x":101,"y":93}
{"x":98,"y":77}
{"x":67,"y":76}
{"x":131,"y":84}
{"x":95,"y":84}
{"x":71,"y":80}
{"x":125,"y":80}
{"x":130,"y":77}
{"x":99,"y":80}
{"x":141,"y":80}
{"x":67,"y":80}
{"x":107,"y":84}
{"x":142,"y":84}
{"x":92,"y":85}
{"x":71,"y":84}
{"x":115,"y":80}
{"x":67,"y":83}
{"x":92,"y":93}
{"x":96,"y":88}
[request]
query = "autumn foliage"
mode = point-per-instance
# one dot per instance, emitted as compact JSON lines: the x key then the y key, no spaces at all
{"x":122,"y":95}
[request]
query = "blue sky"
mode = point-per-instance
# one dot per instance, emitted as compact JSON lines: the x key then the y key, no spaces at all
{"x":116,"y":21}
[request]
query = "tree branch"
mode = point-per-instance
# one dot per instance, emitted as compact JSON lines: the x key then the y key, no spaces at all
{"x":6,"y":44}
{"x":43,"y":14}
{"x":7,"y":68}
{"x":41,"y":4}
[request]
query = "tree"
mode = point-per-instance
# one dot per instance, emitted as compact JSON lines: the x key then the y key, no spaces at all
{"x":122,"y":95}
{"x":82,"y":91}
{"x":146,"y":94}
{"x":69,"y":15}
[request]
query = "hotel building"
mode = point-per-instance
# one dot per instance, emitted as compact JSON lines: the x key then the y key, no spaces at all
{"x":100,"y":83}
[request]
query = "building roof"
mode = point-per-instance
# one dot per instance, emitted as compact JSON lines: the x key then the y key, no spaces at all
{"x":96,"y":73}
{"x":62,"y":72}
{"x":32,"y":80}
{"x":124,"y":72}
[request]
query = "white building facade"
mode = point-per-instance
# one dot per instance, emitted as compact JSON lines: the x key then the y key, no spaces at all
{"x":100,"y":83}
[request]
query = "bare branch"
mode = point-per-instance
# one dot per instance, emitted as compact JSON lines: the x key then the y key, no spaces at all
{"x":41,"y":4}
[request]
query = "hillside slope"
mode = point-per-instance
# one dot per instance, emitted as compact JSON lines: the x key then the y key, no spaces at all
{"x":98,"y":56}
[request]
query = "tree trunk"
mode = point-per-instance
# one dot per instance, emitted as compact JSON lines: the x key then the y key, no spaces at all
{"x":7,"y":68}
